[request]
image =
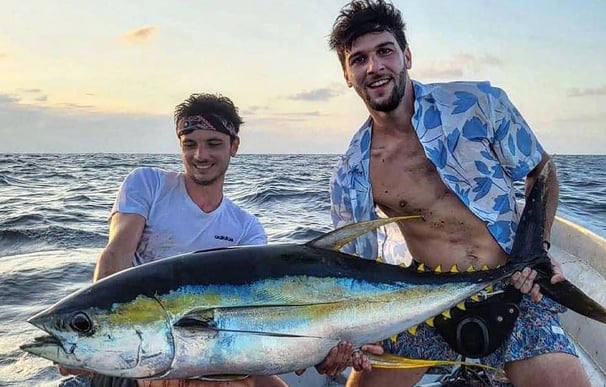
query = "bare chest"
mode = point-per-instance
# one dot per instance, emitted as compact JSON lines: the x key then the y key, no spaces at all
{"x":404,"y":181}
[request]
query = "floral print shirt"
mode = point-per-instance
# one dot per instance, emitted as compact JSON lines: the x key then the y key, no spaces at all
{"x":479,"y":144}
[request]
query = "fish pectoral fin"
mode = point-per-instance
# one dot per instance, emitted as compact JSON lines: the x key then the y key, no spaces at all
{"x":223,"y":378}
{"x":389,"y":361}
{"x":274,"y":334}
{"x":338,"y":238}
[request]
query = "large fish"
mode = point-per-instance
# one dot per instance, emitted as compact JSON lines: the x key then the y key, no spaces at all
{"x":267,"y":309}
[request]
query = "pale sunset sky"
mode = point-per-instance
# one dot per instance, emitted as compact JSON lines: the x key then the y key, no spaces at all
{"x":105,"y":76}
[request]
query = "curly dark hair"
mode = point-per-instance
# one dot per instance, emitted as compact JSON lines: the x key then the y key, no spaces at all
{"x":214,"y":107}
{"x":361,"y":17}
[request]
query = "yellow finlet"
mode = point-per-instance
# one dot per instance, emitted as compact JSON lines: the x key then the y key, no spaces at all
{"x":485,"y":267}
{"x":438,"y":269}
{"x":490,"y":288}
{"x":475,"y":297}
{"x":421,"y":267}
{"x":446,"y":313}
{"x":454,"y":269}
{"x":470,"y":269}
{"x":461,"y":305}
{"x":412,"y":330}
{"x":380,"y":259}
{"x":394,"y":339}
{"x":430,"y":322}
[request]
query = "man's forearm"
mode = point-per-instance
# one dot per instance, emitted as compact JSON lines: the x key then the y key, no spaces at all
{"x":110,"y":263}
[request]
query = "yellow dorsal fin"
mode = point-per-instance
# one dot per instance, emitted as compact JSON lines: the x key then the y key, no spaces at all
{"x":338,"y":238}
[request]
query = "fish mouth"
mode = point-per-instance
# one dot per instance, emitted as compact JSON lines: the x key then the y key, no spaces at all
{"x":44,"y":345}
{"x":43,"y":341}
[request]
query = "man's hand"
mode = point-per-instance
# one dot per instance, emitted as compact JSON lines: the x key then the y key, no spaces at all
{"x":344,"y":355}
{"x":524,"y":280}
{"x":360,"y":361}
{"x":64,"y":371}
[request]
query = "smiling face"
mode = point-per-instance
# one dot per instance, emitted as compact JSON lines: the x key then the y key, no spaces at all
{"x":206,"y":155}
{"x":377,"y":69}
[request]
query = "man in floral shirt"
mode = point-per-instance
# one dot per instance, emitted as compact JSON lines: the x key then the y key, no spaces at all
{"x":449,"y":152}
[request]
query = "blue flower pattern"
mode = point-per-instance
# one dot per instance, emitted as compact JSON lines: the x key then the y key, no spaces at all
{"x":480,"y":145}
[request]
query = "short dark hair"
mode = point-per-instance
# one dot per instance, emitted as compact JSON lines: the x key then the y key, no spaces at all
{"x":361,"y":17}
{"x":214,"y":107}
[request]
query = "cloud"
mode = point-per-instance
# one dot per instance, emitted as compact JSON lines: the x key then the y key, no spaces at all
{"x":7,"y":99}
{"x":140,"y":35}
{"x":265,"y":114}
{"x":32,"y":91}
{"x":272,"y":118}
{"x":33,"y":95}
{"x":252,"y":110}
{"x":458,"y":65}
{"x":79,"y":128}
{"x":588,"y":92}
{"x":322,"y":94}
{"x":574,"y":134}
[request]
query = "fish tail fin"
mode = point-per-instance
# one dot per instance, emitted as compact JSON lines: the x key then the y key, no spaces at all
{"x":338,"y":238}
{"x":528,"y":242}
{"x":528,"y":246}
{"x":567,"y":294}
{"x":389,"y":361}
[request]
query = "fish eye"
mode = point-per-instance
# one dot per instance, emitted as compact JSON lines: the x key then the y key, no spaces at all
{"x":80,"y":322}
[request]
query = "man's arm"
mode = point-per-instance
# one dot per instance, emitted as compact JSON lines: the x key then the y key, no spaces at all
{"x":124,"y":234}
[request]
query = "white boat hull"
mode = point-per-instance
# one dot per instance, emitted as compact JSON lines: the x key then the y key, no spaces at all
{"x":583,"y":257}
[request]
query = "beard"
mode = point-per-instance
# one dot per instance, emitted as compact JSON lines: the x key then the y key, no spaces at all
{"x":394,"y":99}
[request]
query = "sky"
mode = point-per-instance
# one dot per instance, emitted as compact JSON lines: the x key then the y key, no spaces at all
{"x":105,"y":76}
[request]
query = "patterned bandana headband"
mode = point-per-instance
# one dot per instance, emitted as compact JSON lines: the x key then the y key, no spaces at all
{"x":190,"y":123}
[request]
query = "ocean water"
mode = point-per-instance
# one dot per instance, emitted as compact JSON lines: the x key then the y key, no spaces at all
{"x":53,"y":223}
